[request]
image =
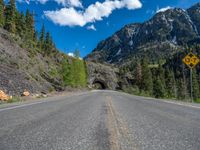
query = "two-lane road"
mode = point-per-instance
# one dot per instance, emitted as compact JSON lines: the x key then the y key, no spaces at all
{"x":100,"y":120}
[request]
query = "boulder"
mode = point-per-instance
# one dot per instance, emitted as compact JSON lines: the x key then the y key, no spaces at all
{"x":4,"y":96}
{"x":25,"y":93}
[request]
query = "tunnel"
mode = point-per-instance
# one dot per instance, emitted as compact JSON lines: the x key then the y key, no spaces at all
{"x":99,"y":84}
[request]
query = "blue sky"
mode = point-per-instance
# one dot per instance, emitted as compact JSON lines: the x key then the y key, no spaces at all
{"x":76,"y":24}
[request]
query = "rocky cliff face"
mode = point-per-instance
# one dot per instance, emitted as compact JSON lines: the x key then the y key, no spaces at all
{"x":194,"y":13}
{"x":105,"y":75}
{"x":22,"y":70}
{"x":159,"y":38}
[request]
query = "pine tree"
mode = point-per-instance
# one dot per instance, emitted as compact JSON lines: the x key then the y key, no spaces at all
{"x":161,"y":73}
{"x":180,"y":89}
{"x":42,"y":38}
{"x":138,"y":75}
{"x":147,"y":83}
{"x":184,"y":82}
{"x":10,"y":16}
{"x":48,"y":46}
{"x":20,"y":24}
{"x":29,"y":21}
{"x":198,"y":78}
{"x":35,"y":37}
{"x":171,"y":91}
{"x":2,"y":13}
{"x":196,"y":93}
{"x":158,"y":88}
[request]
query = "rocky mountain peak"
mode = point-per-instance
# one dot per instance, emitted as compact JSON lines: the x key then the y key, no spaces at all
{"x":159,"y":37}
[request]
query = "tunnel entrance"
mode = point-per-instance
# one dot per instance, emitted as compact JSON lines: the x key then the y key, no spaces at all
{"x":99,"y":85}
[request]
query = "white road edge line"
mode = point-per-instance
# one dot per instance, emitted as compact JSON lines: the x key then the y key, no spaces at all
{"x":171,"y":102}
{"x":166,"y":101}
{"x":30,"y":104}
{"x":160,"y":100}
{"x":20,"y":106}
{"x":187,"y":105}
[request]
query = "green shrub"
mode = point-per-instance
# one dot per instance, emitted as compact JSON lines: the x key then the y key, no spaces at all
{"x":14,"y":99}
{"x":197,"y":100}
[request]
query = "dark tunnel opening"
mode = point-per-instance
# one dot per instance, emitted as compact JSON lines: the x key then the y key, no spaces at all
{"x":99,"y":85}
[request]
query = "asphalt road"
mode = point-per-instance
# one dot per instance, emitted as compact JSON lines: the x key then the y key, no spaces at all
{"x":100,"y":120}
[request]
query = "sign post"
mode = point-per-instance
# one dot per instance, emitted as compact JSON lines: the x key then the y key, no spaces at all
{"x":191,"y":85}
{"x":191,"y":60}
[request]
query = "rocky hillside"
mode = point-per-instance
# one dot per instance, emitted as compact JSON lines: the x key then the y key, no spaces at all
{"x":21,"y":69}
{"x":159,"y":38}
{"x":26,"y":69}
{"x":29,"y":60}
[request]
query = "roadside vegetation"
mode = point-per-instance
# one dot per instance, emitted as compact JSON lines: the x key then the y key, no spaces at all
{"x":74,"y":72}
{"x":14,"y":99}
{"x":169,"y":80}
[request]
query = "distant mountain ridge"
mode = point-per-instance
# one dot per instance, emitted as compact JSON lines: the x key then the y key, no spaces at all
{"x":159,"y":38}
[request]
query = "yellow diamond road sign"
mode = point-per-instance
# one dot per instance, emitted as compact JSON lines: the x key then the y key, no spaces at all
{"x":191,"y":60}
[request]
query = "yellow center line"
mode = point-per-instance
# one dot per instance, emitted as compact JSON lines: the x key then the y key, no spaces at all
{"x":119,"y":132}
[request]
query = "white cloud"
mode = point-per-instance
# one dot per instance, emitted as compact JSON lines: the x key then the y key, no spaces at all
{"x":71,"y":54}
{"x":163,"y":9}
{"x":94,"y":12}
{"x":42,"y":1}
{"x":132,"y":4}
{"x":69,"y":3}
{"x":91,"y":27}
{"x":24,"y":1}
{"x":74,"y":3}
{"x":66,"y":17}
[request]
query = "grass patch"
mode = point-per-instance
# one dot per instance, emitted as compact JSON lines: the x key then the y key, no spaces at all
{"x":137,"y":92}
{"x":42,"y":96}
{"x":197,"y":100}
{"x":14,"y":99}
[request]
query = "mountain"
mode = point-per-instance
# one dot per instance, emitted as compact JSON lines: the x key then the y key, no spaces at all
{"x":159,"y":38}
